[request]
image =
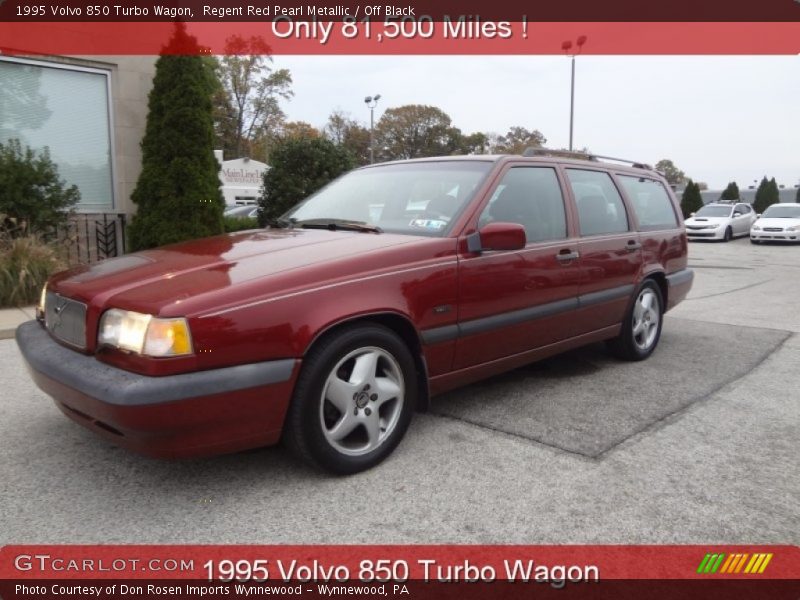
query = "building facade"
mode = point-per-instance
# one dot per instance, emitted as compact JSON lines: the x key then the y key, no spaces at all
{"x":90,"y":113}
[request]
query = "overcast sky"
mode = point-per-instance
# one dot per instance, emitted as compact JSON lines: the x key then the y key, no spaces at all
{"x":718,"y":118}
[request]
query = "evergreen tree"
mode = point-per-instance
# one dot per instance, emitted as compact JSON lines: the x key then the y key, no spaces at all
{"x":177,"y":194}
{"x":761,"y":202}
{"x":299,"y":167}
{"x":731,"y":192}
{"x":773,"y":193}
{"x":691,"y":201}
{"x":797,"y":196}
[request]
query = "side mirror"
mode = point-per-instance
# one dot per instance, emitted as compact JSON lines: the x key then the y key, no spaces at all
{"x":737,"y":214}
{"x":691,"y":214}
{"x":498,"y":236}
{"x":758,"y":215}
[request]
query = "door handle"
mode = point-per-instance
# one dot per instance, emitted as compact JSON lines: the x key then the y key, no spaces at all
{"x":633,"y":245}
{"x":566,"y":255}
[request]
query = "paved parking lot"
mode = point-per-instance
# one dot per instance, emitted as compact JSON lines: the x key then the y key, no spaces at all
{"x":699,"y":444}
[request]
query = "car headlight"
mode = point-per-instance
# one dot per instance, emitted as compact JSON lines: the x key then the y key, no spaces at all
{"x":755,"y":228}
{"x":794,"y":228}
{"x":42,"y":298}
{"x":144,"y":334}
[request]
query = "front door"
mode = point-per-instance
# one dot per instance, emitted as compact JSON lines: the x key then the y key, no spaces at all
{"x":513,"y":301}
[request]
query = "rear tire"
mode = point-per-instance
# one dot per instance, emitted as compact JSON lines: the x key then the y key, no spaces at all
{"x":641,"y":328}
{"x":354,"y":399}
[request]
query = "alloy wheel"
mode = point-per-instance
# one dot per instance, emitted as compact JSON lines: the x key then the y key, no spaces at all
{"x":361,"y":401}
{"x":646,"y":316}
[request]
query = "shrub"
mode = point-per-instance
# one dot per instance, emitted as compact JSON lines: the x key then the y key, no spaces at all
{"x":25,"y":264}
{"x":298,"y":168}
{"x":33,"y":196}
{"x":234,"y":224}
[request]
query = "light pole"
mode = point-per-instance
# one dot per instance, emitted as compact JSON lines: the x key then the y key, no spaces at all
{"x":372,"y":102}
{"x":566,"y":47}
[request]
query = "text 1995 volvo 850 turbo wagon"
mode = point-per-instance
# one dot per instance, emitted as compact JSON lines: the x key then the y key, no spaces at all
{"x":394,"y":283}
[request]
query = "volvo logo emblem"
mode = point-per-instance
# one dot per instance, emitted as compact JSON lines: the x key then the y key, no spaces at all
{"x":61,"y":304}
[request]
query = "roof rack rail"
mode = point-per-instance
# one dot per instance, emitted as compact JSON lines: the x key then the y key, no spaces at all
{"x":535,"y":151}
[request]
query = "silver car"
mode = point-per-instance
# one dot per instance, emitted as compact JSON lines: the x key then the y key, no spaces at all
{"x":719,"y":221}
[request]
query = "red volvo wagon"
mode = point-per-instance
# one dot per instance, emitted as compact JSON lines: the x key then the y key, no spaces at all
{"x":394,"y":283}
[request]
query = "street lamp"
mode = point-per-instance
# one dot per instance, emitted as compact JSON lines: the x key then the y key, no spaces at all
{"x":566,"y":47}
{"x":372,"y":102}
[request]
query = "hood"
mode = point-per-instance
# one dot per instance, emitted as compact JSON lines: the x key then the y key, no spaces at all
{"x":706,"y":220}
{"x":782,"y":223}
{"x":153,"y":280}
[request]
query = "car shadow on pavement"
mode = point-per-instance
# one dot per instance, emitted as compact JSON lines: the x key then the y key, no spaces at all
{"x":587,"y":402}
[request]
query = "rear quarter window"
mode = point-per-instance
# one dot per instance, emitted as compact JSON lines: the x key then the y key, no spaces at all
{"x":650,"y":201}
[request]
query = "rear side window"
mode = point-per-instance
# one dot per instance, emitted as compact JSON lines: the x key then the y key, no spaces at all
{"x":600,"y":207}
{"x":650,"y":201}
{"x":530,"y":196}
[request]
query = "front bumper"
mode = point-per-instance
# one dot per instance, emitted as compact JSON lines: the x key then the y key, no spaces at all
{"x":706,"y":234}
{"x":775,"y":236}
{"x":191,"y":414}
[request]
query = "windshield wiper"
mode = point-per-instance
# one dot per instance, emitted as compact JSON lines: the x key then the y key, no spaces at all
{"x":338,"y":224}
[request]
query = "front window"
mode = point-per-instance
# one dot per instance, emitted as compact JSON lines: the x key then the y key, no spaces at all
{"x":782,"y":212}
{"x":411,"y":198}
{"x":714,"y":211}
{"x":531,"y":197}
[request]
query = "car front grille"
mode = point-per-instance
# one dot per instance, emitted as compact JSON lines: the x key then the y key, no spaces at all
{"x":773,"y":228}
{"x":65,"y":319}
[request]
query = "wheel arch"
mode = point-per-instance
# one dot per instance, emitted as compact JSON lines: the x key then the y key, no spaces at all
{"x":661,"y":279}
{"x":400,"y":325}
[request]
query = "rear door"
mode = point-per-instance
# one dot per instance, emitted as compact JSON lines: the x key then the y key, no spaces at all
{"x":609,"y":247}
{"x":513,"y":301}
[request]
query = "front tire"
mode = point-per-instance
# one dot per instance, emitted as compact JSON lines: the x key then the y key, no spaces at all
{"x":641,"y":328}
{"x":728,"y":235}
{"x":353,"y":400}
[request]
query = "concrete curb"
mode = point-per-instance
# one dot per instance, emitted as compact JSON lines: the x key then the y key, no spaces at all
{"x":11,"y":318}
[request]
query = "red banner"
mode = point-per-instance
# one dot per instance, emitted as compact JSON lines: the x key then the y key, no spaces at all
{"x":438,"y":10}
{"x":413,"y":37}
{"x":192,"y":562}
{"x":416,"y":571}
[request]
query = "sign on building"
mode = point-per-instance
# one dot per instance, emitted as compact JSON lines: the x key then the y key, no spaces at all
{"x":241,"y":179}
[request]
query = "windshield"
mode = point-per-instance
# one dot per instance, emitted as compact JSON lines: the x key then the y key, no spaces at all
{"x":411,"y":198}
{"x":714,"y":211}
{"x":782,"y":212}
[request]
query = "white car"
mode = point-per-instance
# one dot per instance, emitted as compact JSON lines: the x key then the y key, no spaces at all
{"x":779,"y":223}
{"x":717,"y":221}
